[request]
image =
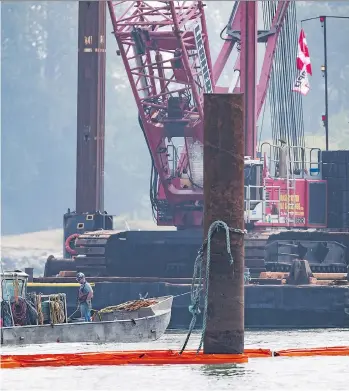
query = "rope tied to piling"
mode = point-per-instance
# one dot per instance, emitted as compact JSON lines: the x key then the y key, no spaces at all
{"x":196,"y":284}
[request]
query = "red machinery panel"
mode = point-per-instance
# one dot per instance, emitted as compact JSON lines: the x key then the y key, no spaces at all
{"x":294,"y":203}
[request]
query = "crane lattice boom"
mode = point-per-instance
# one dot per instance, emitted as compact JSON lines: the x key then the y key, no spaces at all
{"x":165,"y":49}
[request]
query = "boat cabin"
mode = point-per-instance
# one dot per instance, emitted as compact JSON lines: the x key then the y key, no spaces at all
{"x":21,"y":309}
{"x":13,"y":283}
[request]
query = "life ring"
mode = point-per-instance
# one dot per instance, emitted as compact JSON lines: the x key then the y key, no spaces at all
{"x":68,"y":242}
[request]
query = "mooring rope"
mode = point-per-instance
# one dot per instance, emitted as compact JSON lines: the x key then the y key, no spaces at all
{"x":196,"y":285}
{"x":39,"y":309}
{"x":19,"y":311}
{"x":56,"y":309}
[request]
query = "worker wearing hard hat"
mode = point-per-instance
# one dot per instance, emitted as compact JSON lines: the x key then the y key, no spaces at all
{"x":85,"y":296}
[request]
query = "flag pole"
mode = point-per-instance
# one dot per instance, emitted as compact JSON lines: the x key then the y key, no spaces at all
{"x":323,"y":21}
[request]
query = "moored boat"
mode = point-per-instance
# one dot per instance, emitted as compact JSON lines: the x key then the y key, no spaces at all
{"x":142,"y":320}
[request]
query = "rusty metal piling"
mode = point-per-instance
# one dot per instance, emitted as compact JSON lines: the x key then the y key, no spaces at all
{"x":224,"y":200}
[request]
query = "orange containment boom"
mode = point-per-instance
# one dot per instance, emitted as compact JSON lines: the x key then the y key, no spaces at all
{"x":158,"y":357}
{"x":332,"y":351}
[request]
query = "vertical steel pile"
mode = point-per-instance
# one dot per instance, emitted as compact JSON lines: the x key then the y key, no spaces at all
{"x":224,"y":200}
{"x":91,"y":107}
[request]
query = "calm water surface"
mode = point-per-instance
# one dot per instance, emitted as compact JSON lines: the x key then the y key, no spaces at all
{"x":283,"y":373}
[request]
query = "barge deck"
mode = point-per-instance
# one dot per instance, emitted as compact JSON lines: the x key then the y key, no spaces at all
{"x":269,"y":303}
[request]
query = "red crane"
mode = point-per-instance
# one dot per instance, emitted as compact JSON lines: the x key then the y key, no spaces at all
{"x":164,"y":46}
{"x":165,"y":49}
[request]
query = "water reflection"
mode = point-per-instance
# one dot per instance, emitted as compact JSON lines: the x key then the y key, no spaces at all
{"x":225,"y":370}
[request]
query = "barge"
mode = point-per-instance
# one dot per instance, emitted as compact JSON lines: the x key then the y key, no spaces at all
{"x":269,"y":301}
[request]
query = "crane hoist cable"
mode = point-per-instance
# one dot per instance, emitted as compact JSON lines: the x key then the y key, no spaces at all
{"x":285,"y":105}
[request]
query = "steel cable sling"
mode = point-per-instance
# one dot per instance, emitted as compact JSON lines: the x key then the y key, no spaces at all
{"x":285,"y":105}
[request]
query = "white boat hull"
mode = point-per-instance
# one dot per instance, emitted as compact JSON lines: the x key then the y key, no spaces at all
{"x":131,"y":330}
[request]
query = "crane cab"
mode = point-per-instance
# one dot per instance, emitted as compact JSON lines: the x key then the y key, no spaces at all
{"x":291,"y":192}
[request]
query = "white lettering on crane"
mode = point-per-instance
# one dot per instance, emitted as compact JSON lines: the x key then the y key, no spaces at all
{"x":203,"y":59}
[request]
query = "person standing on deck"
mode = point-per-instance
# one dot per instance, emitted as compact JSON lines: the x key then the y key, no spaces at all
{"x":85,"y":295}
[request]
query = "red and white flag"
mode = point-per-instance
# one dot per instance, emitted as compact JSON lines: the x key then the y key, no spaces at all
{"x":303,"y":58}
{"x":303,"y":65}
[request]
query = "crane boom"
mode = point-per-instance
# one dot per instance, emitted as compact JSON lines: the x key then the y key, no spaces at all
{"x":165,"y":49}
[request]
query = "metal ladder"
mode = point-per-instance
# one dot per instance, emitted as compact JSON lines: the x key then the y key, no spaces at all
{"x":290,"y":187}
